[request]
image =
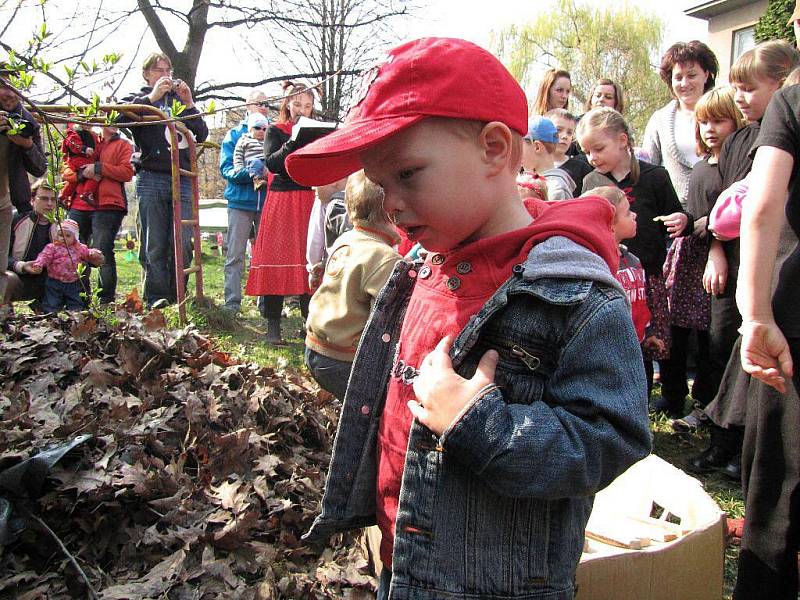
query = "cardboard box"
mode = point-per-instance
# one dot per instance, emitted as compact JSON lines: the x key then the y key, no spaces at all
{"x":688,"y":568}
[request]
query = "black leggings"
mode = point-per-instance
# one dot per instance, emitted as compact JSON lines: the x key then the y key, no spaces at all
{"x":673,"y":370}
{"x":273,"y":305}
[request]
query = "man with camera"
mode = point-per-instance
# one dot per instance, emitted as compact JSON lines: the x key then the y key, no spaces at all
{"x":20,"y":153}
{"x":154,"y":182}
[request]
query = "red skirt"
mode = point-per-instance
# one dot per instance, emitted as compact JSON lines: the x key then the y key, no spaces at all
{"x":278,"y":266}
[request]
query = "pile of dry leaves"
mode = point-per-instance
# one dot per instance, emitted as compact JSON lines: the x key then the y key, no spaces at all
{"x":190,"y":476}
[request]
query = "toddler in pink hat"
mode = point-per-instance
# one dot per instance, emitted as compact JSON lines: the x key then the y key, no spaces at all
{"x":61,"y":258}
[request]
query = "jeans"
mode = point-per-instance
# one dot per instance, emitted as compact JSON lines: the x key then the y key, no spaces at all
{"x":331,"y":374}
{"x":240,"y":225}
{"x":383,"y":584}
{"x":98,"y":229}
{"x":58,"y":294}
{"x":157,"y":246}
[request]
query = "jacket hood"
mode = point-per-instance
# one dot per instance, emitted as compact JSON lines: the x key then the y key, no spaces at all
{"x":561,"y":258}
{"x":585,"y":221}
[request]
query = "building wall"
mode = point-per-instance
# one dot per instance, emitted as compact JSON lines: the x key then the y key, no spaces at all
{"x":721,"y":33}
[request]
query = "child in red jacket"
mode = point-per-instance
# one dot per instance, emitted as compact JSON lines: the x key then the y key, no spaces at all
{"x":78,"y":149}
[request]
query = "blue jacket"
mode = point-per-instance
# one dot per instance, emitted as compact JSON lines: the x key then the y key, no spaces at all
{"x":239,"y":190}
{"x":497,"y":506}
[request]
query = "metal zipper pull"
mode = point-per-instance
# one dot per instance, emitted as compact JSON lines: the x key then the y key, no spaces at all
{"x":531,"y":361}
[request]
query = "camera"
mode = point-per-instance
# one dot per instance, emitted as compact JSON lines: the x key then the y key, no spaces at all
{"x":24,"y":128}
{"x":175,"y":84}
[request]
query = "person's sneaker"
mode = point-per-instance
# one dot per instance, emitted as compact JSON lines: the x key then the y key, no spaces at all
{"x":690,"y":423}
{"x":710,"y":459}
{"x":734,"y":468}
{"x":160,"y":303}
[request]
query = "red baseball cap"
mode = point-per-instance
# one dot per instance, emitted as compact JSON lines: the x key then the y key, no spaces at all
{"x":428,"y":77}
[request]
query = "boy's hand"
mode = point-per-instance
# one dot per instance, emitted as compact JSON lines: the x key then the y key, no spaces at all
{"x":441,"y":392}
{"x":675,"y":223}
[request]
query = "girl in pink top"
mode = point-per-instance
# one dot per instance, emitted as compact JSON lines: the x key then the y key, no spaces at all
{"x":61,"y":258}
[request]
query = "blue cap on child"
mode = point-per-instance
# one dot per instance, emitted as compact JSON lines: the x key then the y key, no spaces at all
{"x":257,"y":120}
{"x":542,"y":129}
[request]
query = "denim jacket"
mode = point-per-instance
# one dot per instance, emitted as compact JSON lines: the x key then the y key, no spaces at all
{"x":497,"y":506}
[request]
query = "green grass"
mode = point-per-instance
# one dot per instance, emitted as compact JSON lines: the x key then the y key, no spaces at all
{"x":678,"y":449}
{"x":243,"y":337}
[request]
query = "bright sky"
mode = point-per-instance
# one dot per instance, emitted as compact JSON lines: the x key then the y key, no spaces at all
{"x":471,"y":20}
{"x":227,"y":57}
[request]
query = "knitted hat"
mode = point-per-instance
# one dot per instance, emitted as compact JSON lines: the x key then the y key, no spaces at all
{"x":257,"y":120}
{"x":66,"y":225}
{"x":428,"y":77}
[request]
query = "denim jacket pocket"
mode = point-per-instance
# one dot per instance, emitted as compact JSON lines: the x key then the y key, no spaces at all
{"x":522,"y":369}
{"x":507,"y":541}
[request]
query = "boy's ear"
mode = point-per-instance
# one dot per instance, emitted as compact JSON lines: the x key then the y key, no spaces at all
{"x":497,"y":144}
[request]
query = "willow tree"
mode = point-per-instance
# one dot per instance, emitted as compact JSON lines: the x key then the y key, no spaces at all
{"x":618,"y":42}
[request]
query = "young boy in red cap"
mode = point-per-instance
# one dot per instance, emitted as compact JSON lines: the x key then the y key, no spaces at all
{"x":497,"y":385}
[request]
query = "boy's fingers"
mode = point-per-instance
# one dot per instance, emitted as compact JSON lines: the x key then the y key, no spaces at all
{"x":487,"y":366}
{"x":440,"y":356}
{"x":420,"y":412}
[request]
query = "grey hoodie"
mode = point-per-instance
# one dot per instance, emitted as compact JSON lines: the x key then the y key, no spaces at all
{"x":560,"y":185}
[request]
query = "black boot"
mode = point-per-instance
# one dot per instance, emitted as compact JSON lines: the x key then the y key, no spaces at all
{"x":274,"y":332}
{"x":672,"y":407}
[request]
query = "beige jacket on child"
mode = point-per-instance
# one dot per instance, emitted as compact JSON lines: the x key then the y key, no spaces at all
{"x":359,"y":265}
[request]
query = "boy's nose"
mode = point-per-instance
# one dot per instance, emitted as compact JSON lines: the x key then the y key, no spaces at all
{"x":391,"y":206}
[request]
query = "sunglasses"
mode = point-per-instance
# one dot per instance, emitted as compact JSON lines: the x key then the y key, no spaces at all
{"x":258,"y":127}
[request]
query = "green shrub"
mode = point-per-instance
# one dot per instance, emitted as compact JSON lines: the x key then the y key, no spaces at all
{"x":772,"y":24}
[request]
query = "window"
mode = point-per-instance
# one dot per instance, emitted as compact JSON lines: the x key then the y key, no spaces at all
{"x":743,"y":40}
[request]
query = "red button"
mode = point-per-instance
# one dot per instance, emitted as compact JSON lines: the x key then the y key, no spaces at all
{"x":365,"y":410}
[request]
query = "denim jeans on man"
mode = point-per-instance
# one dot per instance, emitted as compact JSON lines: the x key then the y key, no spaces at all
{"x":331,"y":374}
{"x":98,"y":229}
{"x":156,"y":240}
{"x":240,"y":224}
{"x":58,"y":294}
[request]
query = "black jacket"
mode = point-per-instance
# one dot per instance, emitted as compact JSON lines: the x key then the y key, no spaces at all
{"x":651,"y":196}
{"x":152,"y":142}
{"x":28,"y":238}
{"x":277,"y":146}
{"x":21,"y":162}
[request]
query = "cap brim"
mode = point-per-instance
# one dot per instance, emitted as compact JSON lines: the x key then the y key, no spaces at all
{"x":795,"y":16}
{"x":336,"y":155}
